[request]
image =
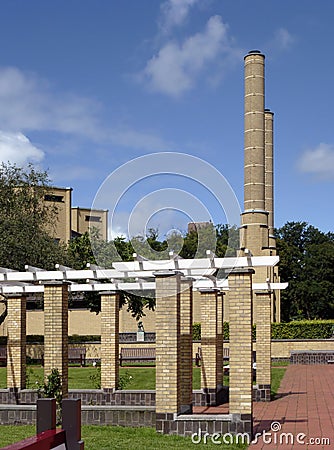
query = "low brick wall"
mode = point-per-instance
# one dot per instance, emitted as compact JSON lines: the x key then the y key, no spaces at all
{"x":17,"y":414}
{"x":128,"y":408}
{"x":311,"y":357}
{"x":280,"y":348}
{"x":134,"y":416}
{"x":138,"y":416}
{"x":14,"y":397}
{"x":186,"y":425}
{"x":99,"y":397}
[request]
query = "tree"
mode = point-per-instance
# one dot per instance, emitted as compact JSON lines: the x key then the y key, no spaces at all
{"x":306,"y":262}
{"x":90,"y":248}
{"x":26,"y":220}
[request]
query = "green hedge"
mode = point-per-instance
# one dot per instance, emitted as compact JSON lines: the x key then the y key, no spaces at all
{"x":303,"y":329}
{"x":39,"y":339}
{"x":226,"y":331}
{"x":78,"y":339}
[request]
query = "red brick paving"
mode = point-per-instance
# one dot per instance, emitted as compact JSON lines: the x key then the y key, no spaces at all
{"x":305,"y":404}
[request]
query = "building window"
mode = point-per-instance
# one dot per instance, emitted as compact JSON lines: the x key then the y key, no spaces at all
{"x":93,"y":219}
{"x":54,"y":198}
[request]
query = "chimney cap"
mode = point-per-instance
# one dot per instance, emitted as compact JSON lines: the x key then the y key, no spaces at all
{"x":267,"y":110}
{"x":254,"y":52}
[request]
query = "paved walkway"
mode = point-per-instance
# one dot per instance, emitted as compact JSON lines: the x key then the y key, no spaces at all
{"x":305,"y":405}
{"x":304,"y":409}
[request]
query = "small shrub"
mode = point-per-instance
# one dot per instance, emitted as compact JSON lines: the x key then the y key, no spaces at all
{"x":52,"y":388}
{"x":124,"y":380}
{"x":196,"y":331}
{"x":96,"y":378}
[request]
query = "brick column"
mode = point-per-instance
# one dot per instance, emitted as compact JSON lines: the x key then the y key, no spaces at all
{"x":109,"y":340}
{"x":211,"y":374}
{"x":186,"y":369}
{"x":263,"y":344}
{"x":56,"y":330}
{"x":168,"y":339}
{"x":241,"y":386}
{"x":220,"y":336}
{"x":16,"y":341}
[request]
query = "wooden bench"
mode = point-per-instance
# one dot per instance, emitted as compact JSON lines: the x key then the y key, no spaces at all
{"x":3,"y":356}
{"x":77,"y":355}
{"x":226,"y":356}
{"x":137,"y":354}
{"x":198,"y":356}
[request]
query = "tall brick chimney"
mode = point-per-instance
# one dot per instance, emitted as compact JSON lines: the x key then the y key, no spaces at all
{"x":269,"y":174}
{"x":254,"y":230}
{"x":254,"y":181}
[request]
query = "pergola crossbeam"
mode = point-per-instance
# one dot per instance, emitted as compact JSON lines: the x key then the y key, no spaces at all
{"x":135,"y":275}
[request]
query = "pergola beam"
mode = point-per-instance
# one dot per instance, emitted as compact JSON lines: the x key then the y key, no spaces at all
{"x":135,"y":275}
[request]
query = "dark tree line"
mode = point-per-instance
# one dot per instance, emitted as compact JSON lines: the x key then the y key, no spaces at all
{"x":307,"y":263}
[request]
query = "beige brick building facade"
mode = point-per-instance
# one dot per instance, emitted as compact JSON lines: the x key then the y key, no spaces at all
{"x":85,"y":219}
{"x":73,"y":221}
{"x":61,"y":199}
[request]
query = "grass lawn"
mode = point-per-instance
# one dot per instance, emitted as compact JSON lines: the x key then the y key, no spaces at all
{"x":277,"y":374}
{"x":142,"y":378}
{"x":110,"y":437}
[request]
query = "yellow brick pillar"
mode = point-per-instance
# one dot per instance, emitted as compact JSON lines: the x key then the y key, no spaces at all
{"x":109,"y":340}
{"x":220,"y":336}
{"x":226,"y":307}
{"x":16,"y":342}
{"x":263,"y":344}
{"x":211,"y":373}
{"x":168,"y":374}
{"x":240,"y":383}
{"x":56,"y":330}
{"x":186,"y":369}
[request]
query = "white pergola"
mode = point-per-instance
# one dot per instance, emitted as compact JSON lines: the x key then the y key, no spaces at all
{"x":137,"y":275}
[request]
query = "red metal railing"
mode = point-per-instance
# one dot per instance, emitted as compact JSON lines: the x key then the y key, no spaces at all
{"x":48,"y":437}
{"x":47,"y":440}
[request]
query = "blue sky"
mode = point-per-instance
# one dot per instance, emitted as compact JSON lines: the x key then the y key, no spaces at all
{"x":88,"y":86}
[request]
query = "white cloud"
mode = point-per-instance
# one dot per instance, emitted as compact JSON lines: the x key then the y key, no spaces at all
{"x":284,"y":39}
{"x":28,"y":103}
{"x":175,"y":68}
{"x":175,"y":12}
{"x":318,"y":161}
{"x":16,"y":148}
